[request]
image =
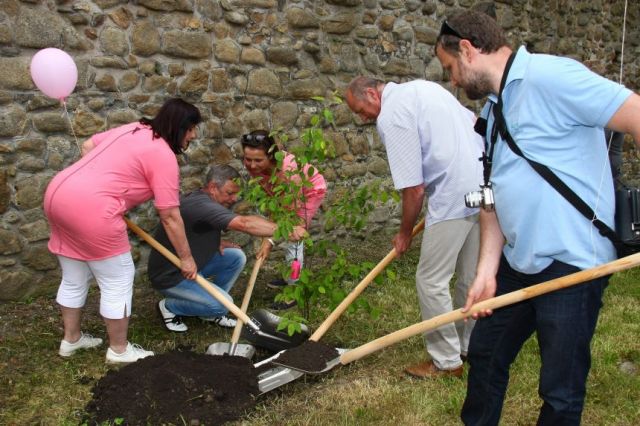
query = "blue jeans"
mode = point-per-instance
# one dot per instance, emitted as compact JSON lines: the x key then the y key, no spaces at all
{"x":189,"y":299}
{"x":564,"y":321}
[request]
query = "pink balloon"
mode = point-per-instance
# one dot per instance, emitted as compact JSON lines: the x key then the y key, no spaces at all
{"x":54,"y":72}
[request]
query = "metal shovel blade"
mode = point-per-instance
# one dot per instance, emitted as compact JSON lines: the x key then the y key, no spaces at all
{"x":224,"y":348}
{"x":278,"y":375}
{"x":329,"y":365}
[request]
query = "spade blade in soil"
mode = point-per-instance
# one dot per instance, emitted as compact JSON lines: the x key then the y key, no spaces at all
{"x":224,"y":348}
{"x":273,"y":376}
{"x":311,"y":357}
{"x":327,"y":366}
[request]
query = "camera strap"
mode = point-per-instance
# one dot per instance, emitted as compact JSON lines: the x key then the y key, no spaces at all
{"x":481,"y":127}
{"x":501,"y":125}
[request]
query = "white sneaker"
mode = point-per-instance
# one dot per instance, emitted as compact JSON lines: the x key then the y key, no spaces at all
{"x":172,"y":321}
{"x":85,"y":341}
{"x":133,"y":353}
{"x":222,"y":321}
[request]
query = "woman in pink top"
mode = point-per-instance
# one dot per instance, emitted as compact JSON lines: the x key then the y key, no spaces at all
{"x":259,"y":150}
{"x":85,"y":203}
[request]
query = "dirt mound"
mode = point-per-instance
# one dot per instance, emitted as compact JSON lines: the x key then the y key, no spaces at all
{"x":176,"y":387}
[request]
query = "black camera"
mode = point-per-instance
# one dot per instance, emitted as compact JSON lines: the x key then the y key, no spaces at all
{"x":628,"y":218}
{"x":482,"y":198}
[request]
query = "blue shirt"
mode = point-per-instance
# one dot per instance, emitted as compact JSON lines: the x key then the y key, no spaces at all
{"x":555,"y":109}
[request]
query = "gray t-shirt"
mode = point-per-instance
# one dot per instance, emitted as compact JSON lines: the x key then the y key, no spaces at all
{"x":204,"y":220}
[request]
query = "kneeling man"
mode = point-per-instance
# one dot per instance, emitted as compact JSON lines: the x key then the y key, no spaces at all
{"x":206,"y":213}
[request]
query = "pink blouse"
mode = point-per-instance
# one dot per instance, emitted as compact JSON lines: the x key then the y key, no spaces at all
{"x":86,"y":201}
{"x":313,"y":195}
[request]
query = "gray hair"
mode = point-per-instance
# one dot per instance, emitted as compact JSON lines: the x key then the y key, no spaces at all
{"x":359,"y":85}
{"x":219,"y":174}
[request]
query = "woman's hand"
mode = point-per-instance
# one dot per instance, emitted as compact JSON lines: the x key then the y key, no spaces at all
{"x":299,"y":232}
{"x":87,"y":146}
{"x":174,"y":227}
{"x":188,"y":268}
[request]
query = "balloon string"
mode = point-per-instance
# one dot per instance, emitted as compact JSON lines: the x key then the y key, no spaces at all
{"x":66,"y":112}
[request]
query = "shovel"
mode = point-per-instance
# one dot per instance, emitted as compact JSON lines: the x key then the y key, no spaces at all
{"x":206,"y":285}
{"x":493,"y":303}
{"x":234,"y":348}
{"x":339,"y":310}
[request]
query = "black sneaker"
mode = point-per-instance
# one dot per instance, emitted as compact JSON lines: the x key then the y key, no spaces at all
{"x":282,"y":306}
{"x":277,"y":284}
{"x":222,"y":321}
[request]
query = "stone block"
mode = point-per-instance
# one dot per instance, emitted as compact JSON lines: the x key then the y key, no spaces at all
{"x":122,"y":17}
{"x":13,"y":120}
{"x":128,"y":81}
{"x":113,"y":41}
{"x":167,"y":5}
{"x":106,"y":83}
{"x":145,"y":38}
{"x":119,"y":117}
{"x":348,"y":3}
{"x":220,"y":81}
{"x":256,"y":119}
{"x":155,"y":83}
{"x":29,"y":163}
{"x":35,"y":231}
{"x":236,"y":18}
{"x":15,"y":74}
{"x":301,"y":18}
{"x":196,"y":82}
{"x":228,"y":50}
{"x":264,"y":82}
{"x":30,"y":191}
{"x":38,"y":28}
{"x":306,"y":89}
{"x":284,"y":114}
{"x":282,"y":55}
{"x":339,"y":23}
{"x":9,"y":242}
{"x":109,"y":62}
{"x":252,"y":55}
{"x":86,"y":123}
{"x":50,"y":122}
{"x":221,"y":154}
{"x":186,"y":44}
{"x":262,"y":4}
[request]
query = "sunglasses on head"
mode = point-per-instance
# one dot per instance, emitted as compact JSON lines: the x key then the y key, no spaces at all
{"x":447,"y":29}
{"x":250,"y":138}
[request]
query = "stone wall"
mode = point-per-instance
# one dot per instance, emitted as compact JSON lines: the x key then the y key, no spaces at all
{"x":247,"y":64}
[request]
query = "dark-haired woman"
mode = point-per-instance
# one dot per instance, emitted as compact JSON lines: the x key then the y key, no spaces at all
{"x":85,"y":203}
{"x":259,"y":151}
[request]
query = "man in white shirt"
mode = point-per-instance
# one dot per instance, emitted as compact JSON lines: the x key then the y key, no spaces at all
{"x":432,"y":149}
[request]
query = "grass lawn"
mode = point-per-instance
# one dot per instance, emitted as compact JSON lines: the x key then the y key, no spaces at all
{"x":39,"y":387}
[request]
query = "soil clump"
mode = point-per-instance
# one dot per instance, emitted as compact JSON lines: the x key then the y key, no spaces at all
{"x":310,"y":356}
{"x":178,"y":388}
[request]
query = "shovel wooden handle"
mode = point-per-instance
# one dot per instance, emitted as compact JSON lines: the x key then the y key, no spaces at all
{"x":493,"y":303}
{"x":339,"y":310}
{"x":247,"y":296}
{"x":206,"y":285}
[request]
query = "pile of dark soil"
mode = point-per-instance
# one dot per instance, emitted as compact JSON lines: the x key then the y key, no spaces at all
{"x":178,"y":388}
{"x":310,"y":356}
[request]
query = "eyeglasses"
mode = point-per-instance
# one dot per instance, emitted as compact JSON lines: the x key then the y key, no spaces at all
{"x":255,"y":139}
{"x":447,"y":29}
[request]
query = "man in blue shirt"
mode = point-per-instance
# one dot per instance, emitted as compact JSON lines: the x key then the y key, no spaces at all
{"x":555,"y":110}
